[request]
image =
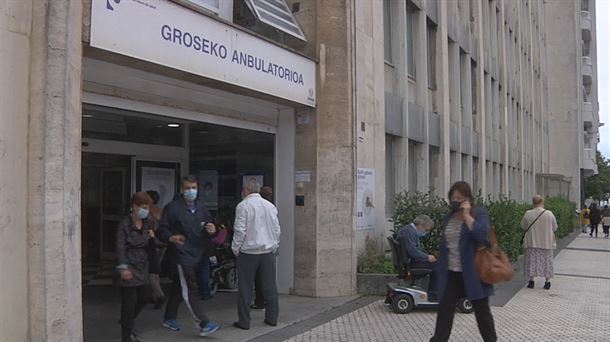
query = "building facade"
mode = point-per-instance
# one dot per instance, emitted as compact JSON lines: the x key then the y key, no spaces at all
{"x":573,"y":104}
{"x":338,"y":105}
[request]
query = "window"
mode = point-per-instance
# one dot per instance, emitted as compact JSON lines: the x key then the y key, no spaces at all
{"x":221,"y":8}
{"x":431,"y":41}
{"x":473,"y":92}
{"x":387,"y":30}
{"x":276,"y":13}
{"x":410,"y":43}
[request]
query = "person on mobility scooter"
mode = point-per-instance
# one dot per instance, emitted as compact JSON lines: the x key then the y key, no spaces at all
{"x":414,"y":268}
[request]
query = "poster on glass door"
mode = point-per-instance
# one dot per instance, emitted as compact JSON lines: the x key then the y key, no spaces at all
{"x":161,"y":180}
{"x":208,"y":188}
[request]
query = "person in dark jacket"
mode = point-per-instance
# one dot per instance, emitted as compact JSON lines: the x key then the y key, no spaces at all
{"x":464,"y":229}
{"x":187,"y":224}
{"x":595,"y":216}
{"x":134,"y":236}
{"x":409,"y":236}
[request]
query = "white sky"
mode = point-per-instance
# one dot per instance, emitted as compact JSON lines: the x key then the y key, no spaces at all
{"x":603,"y":73}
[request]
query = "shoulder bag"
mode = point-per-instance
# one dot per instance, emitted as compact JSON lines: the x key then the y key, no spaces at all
{"x":492,"y":263}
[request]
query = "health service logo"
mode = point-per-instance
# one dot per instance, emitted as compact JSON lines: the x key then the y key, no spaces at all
{"x":109,"y":5}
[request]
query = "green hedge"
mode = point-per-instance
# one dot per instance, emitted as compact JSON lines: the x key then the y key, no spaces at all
{"x":505,"y":214}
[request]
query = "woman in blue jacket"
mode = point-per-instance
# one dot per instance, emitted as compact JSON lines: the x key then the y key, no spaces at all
{"x":464,"y":229}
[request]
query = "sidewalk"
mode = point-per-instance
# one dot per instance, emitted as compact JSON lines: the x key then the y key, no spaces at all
{"x":577,"y":308}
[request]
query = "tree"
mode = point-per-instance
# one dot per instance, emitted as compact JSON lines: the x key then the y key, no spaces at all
{"x":598,"y":186}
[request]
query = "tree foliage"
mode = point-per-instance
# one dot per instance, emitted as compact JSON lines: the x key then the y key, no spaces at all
{"x":598,"y":186}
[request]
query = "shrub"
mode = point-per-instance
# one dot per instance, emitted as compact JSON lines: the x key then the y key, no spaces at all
{"x":565,"y":213}
{"x":372,"y":260}
{"x":506,"y":214}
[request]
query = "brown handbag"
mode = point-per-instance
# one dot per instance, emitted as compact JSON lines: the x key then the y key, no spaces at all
{"x":492,"y":263}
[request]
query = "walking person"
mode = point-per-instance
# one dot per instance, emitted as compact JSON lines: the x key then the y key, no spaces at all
{"x":187,"y":224}
{"x":584,"y":218}
{"x":256,"y":239}
{"x":606,"y":221}
{"x":134,"y":236}
{"x":540,"y":226}
{"x":155,"y":253}
{"x":595,"y":216}
{"x":464,"y":229}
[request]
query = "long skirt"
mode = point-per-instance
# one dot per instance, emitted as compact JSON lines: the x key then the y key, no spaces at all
{"x":539,"y":263}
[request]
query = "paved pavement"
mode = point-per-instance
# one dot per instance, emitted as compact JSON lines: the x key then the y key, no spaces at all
{"x":577,"y":308}
{"x":102,"y":308}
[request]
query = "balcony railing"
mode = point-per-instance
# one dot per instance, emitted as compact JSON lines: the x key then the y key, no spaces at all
{"x":588,"y":160}
{"x":585,"y":25}
{"x":587,"y":113}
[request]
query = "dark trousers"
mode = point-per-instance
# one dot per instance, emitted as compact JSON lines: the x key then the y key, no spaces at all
{"x":185,"y":286}
{"x":204,"y":277}
{"x":258,"y":290}
{"x":606,"y":229}
{"x":446,"y":311}
{"x":430,"y":266}
{"x":248,"y":265}
{"x":594,"y":228}
{"x":133,"y":299}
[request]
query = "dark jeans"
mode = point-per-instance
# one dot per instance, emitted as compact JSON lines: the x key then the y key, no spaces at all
{"x":606,"y":229}
{"x":248,"y":265}
{"x":185,"y":286}
{"x":446,"y":311}
{"x":594,"y":228}
{"x":204,"y":277}
{"x":133,"y":299}
{"x":427,"y":265}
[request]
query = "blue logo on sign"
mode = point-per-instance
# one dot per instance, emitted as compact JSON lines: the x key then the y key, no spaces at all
{"x":109,"y":4}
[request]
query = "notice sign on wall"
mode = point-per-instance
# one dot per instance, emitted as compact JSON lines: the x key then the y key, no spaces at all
{"x":365,"y":197}
{"x":166,"y":33}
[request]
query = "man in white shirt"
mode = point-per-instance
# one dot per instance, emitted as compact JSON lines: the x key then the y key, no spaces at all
{"x":256,"y":239}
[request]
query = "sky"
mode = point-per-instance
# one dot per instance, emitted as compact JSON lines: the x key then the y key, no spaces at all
{"x":603,"y":73}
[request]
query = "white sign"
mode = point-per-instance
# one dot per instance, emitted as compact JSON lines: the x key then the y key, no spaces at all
{"x":161,"y":180}
{"x":302,"y":176}
{"x":169,"y":34}
{"x":365,"y":207}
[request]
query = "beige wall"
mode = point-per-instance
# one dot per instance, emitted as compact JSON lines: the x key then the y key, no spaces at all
{"x":15,"y":26}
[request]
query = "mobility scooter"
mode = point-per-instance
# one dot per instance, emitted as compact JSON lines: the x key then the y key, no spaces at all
{"x":411,"y":290}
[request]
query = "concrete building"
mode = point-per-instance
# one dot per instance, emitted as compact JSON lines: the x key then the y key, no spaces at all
{"x":338,"y":105}
{"x":573,"y":106}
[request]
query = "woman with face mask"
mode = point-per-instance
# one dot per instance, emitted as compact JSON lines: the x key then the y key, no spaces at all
{"x":135,"y":235}
{"x":464,"y":229}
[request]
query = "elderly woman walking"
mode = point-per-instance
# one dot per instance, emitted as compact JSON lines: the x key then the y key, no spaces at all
{"x":540,"y":226}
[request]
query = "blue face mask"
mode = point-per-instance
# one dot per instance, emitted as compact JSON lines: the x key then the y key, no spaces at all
{"x":190,"y":194}
{"x":421,"y":234}
{"x":143,"y":213}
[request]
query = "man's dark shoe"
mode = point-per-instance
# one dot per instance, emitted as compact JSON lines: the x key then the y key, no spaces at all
{"x":270,"y":324}
{"x":547,"y":285}
{"x":530,"y":284}
{"x":257,"y":307}
{"x":236,"y":324}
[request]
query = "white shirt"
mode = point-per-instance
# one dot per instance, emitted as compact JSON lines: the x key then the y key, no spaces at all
{"x":257,"y":227}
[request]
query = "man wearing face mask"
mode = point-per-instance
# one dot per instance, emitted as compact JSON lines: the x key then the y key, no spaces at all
{"x":187,"y":225}
{"x":409,"y":238}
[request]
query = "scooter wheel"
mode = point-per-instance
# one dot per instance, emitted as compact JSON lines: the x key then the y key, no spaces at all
{"x":402,"y":304}
{"x":465,"y":306}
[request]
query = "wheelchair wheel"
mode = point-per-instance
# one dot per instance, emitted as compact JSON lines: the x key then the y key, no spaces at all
{"x":465,"y":306}
{"x":402,"y":304}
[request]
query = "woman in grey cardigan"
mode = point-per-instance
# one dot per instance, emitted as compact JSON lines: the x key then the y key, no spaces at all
{"x":540,"y":226}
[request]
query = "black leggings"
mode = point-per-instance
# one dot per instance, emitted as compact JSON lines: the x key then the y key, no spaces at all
{"x":446,"y":311}
{"x":594,"y":228}
{"x":133,"y":299}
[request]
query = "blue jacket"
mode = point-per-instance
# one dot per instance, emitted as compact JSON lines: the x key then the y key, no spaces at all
{"x":469,"y":241}
{"x":410,"y":244}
